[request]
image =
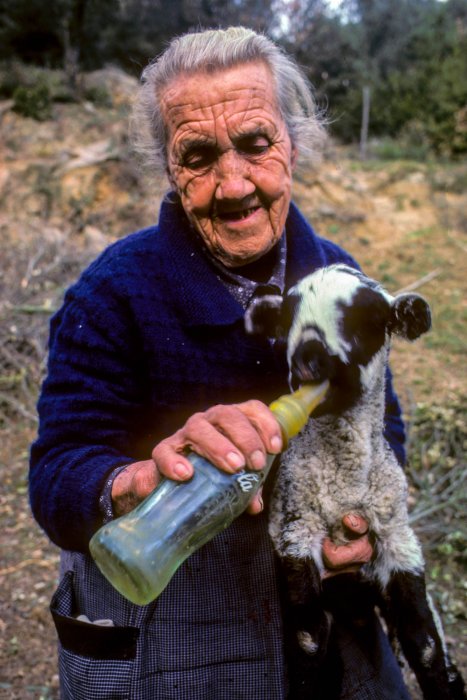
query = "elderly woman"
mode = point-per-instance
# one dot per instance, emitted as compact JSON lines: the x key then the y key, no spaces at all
{"x":149,"y":357}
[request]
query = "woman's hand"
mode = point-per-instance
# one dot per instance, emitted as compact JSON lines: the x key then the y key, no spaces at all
{"x":132,"y":485}
{"x":348,"y":557}
{"x":231,"y":437}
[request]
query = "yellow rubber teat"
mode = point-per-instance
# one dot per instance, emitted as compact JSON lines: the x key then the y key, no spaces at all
{"x":293,"y":410}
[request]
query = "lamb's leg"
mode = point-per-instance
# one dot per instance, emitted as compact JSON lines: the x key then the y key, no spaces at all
{"x":308,"y":634}
{"x":304,"y":599}
{"x":421,"y":639}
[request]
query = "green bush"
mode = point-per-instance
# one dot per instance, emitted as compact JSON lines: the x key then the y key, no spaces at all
{"x":14,"y":74}
{"x":412,"y":143}
{"x":34,"y":102}
{"x":8,"y":84}
{"x":99,"y":96}
{"x":436,"y":470}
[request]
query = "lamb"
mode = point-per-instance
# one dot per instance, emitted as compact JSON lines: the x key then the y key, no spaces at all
{"x":338,"y":324}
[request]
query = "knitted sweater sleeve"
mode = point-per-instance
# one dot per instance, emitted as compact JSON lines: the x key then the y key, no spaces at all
{"x":88,"y":411}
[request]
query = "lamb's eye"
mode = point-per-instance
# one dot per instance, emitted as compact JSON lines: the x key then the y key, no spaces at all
{"x":199,"y":157}
{"x":253,"y":145}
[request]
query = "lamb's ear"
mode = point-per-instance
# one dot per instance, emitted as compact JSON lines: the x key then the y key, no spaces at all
{"x":410,"y":316}
{"x":263,"y":316}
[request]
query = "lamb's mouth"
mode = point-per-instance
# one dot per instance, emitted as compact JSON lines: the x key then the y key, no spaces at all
{"x":238,"y":215}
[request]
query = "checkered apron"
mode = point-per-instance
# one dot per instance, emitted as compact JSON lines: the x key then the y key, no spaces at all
{"x":215,"y":633}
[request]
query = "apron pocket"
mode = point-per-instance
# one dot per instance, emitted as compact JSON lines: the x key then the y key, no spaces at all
{"x":95,"y":661}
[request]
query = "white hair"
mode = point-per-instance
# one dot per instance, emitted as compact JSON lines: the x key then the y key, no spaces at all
{"x":213,"y":50}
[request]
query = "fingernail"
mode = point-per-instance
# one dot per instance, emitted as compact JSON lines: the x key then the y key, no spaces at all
{"x":181,"y":470}
{"x":353,"y":521}
{"x":276,"y":444}
{"x":258,"y":459}
{"x":235,"y":460}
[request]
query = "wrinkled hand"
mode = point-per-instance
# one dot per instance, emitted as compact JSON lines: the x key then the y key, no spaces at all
{"x":231,"y":437}
{"x":348,"y":557}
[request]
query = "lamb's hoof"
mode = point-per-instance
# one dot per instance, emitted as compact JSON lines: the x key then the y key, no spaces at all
{"x":307,"y":643}
{"x":315,"y":643}
{"x":456,"y":683}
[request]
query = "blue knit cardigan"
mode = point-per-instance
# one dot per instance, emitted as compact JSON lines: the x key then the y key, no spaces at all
{"x":147,"y":336}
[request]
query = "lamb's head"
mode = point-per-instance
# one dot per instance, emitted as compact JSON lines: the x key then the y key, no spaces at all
{"x":335,"y":321}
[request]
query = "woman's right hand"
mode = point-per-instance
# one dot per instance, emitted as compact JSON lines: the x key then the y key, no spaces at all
{"x":132,"y":484}
{"x":231,"y":437}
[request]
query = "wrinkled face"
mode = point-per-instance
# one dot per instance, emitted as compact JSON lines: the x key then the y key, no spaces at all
{"x":230,"y":159}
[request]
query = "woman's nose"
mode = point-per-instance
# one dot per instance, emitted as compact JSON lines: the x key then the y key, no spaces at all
{"x":233,"y":176}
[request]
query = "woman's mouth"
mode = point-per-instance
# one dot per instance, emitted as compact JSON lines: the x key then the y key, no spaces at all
{"x":237,"y":215}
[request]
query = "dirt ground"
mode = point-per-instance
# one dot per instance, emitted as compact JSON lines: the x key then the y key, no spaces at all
{"x":68,"y":188}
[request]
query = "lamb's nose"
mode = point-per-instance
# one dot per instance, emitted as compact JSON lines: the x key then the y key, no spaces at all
{"x":311,"y":362}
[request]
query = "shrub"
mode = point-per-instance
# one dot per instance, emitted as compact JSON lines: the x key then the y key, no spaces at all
{"x":34,"y":102}
{"x":99,"y":95}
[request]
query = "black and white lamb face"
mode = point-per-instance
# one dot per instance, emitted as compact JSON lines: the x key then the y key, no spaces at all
{"x":335,"y":321}
{"x":339,"y":319}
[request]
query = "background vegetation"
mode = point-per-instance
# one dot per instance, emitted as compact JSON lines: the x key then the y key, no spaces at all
{"x":412,"y":54}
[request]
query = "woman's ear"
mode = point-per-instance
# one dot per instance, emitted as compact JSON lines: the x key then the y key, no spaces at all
{"x":171,"y":179}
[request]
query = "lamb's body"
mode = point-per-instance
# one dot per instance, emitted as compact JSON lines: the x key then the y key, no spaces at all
{"x":338,"y":325}
{"x":341,"y":464}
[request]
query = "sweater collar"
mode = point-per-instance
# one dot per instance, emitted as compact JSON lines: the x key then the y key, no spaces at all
{"x":199,"y":294}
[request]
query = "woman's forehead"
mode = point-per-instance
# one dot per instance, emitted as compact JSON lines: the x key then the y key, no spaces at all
{"x":245,"y":91}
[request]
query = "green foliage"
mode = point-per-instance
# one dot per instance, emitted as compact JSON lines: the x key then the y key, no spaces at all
{"x":412,"y":54}
{"x":438,"y":437}
{"x":436,"y":451}
{"x":99,"y":95}
{"x":96,"y":32}
{"x":14,"y":74}
{"x":411,"y":144}
{"x":33,"y":102}
{"x":42,"y":35}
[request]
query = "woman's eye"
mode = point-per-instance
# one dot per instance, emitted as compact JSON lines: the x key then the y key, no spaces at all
{"x":199,"y":158}
{"x":253,"y":145}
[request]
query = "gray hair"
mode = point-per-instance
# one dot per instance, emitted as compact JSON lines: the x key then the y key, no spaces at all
{"x":214,"y":50}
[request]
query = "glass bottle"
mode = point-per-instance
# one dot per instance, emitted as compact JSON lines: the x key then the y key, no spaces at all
{"x":140,"y":551}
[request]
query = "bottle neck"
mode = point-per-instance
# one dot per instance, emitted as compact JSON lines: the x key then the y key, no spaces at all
{"x":293,"y":410}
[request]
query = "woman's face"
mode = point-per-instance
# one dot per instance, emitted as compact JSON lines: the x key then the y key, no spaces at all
{"x":230,"y":159}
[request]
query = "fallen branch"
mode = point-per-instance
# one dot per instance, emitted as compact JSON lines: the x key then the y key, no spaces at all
{"x":31,"y":309}
{"x":27,"y":562}
{"x":17,"y":406}
{"x":420,"y":515}
{"x":420,"y":282}
{"x":457,"y":243}
{"x":93,"y":154}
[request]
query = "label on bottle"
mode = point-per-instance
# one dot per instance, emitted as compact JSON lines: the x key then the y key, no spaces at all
{"x":247,"y":481}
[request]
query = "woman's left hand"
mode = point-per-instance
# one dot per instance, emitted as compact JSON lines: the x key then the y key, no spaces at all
{"x":349,"y":557}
